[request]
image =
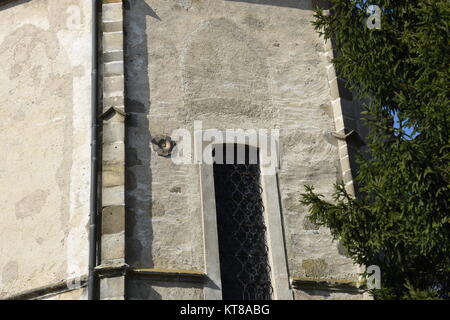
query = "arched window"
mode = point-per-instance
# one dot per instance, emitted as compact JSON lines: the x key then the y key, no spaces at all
{"x":245,"y":256}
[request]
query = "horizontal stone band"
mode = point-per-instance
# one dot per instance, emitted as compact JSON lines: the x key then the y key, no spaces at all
{"x":327,"y":284}
{"x":108,"y":271}
{"x":52,"y":289}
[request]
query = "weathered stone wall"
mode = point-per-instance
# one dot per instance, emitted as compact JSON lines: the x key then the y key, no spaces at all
{"x":254,"y":64}
{"x":45,"y":54}
{"x":231,"y":64}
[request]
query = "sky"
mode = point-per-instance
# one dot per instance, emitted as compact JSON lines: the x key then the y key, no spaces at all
{"x":408,"y":130}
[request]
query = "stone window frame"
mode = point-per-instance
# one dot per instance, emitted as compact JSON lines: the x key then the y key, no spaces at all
{"x":272,"y":213}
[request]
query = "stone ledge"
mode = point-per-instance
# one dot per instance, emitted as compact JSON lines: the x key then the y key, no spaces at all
{"x":51,"y":289}
{"x":173,"y":275}
{"x":309,"y":283}
{"x":111,"y":270}
{"x":170,"y":275}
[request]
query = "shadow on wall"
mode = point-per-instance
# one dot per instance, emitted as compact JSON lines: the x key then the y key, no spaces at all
{"x":300,"y":4}
{"x":6,"y":4}
{"x":138,"y":176}
{"x":151,"y":289}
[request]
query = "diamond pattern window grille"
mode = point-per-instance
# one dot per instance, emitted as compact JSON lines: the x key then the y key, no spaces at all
{"x":244,"y":265}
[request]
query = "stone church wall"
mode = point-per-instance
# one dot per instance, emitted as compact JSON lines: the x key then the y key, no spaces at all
{"x":231,"y":64}
{"x":45,"y":72}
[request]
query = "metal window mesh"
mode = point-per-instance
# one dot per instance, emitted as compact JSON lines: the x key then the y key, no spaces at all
{"x":244,"y":265}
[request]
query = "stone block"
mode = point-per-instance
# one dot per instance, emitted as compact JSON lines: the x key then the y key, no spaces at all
{"x":114,"y":68}
{"x":112,"y":12}
{"x":344,"y":107}
{"x":338,"y":90}
{"x":115,"y":26}
{"x":112,"y":41}
{"x":113,"y":132}
{"x":113,"y":86}
{"x":113,"y":56}
{"x":113,"y":152}
{"x":112,"y":288}
{"x":113,"y":219}
{"x":113,"y":175}
{"x":113,"y":247}
{"x":113,"y":196}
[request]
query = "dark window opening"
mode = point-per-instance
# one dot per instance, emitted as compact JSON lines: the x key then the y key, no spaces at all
{"x":243,"y":253}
